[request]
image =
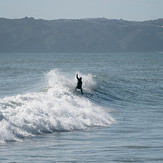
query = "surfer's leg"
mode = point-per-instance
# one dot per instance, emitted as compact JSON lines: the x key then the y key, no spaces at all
{"x":81,"y":91}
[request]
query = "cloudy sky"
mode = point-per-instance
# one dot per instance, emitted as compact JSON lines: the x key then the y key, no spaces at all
{"x":75,"y":9}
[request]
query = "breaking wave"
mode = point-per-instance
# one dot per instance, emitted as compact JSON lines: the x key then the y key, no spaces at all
{"x":54,"y":108}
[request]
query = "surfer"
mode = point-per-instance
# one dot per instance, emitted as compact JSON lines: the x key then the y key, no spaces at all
{"x":79,"y":84}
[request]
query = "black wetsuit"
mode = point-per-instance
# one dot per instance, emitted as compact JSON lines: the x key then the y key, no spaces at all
{"x":79,"y":84}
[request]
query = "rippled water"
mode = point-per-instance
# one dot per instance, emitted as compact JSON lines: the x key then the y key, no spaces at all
{"x":118,"y":119}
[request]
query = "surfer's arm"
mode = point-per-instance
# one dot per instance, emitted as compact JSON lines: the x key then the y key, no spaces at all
{"x":77,"y":76}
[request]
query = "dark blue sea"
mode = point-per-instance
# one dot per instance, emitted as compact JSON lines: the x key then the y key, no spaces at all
{"x":118,"y":119}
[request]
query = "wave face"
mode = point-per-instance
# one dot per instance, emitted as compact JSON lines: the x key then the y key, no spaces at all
{"x":55,"y":108}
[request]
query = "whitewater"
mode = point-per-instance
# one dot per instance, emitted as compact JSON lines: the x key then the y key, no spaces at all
{"x":55,"y":108}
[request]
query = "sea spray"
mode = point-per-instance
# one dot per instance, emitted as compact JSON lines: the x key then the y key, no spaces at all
{"x":56,"y":109}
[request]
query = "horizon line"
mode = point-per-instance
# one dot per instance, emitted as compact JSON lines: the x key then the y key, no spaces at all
{"x":88,"y":18}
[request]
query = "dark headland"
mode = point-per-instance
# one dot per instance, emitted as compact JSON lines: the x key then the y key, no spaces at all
{"x":80,"y":35}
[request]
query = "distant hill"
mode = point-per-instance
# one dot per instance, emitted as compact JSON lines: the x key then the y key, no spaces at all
{"x":80,"y":35}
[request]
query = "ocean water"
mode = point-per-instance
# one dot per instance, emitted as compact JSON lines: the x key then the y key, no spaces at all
{"x":119,"y":118}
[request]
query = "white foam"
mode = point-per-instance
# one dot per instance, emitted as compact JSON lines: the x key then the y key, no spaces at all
{"x":56,"y":109}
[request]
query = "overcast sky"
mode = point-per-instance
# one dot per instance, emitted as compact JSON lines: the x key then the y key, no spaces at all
{"x":72,"y":9}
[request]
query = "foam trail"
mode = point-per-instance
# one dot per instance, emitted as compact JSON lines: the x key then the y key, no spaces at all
{"x":56,"y":109}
